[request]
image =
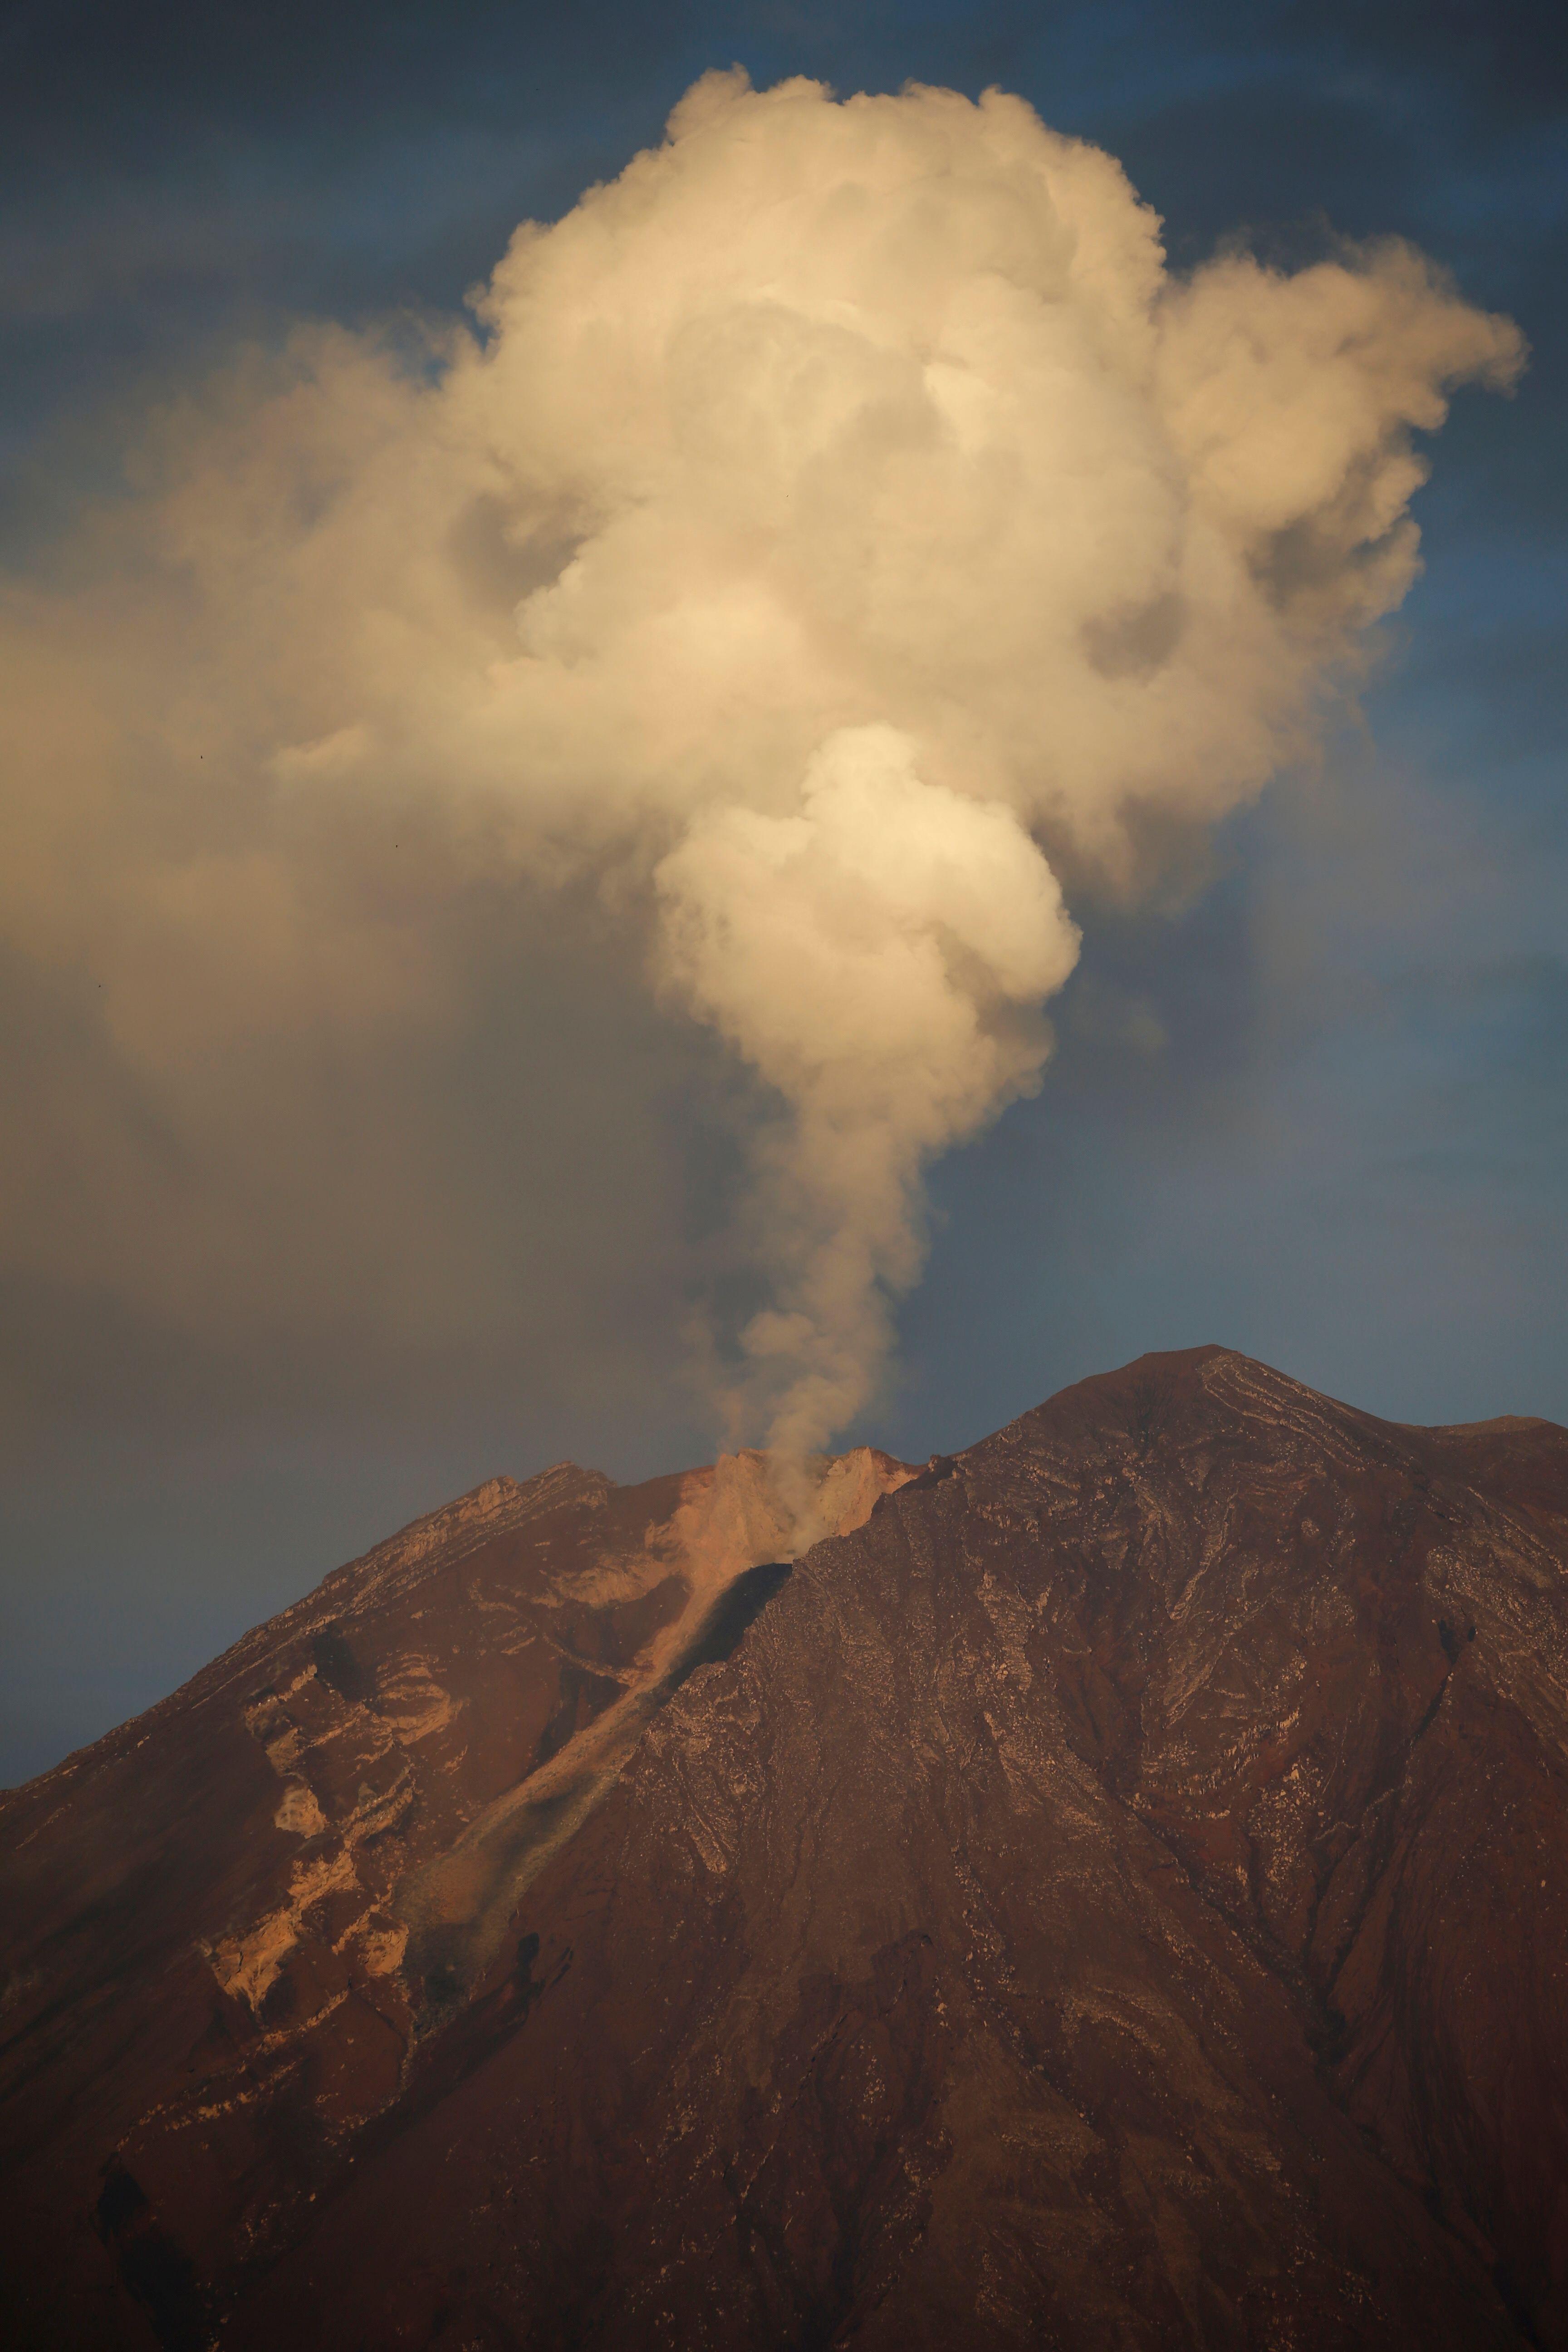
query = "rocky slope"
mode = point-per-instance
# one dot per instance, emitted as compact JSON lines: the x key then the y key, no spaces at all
{"x":224,"y":1929}
{"x":1114,"y":1892}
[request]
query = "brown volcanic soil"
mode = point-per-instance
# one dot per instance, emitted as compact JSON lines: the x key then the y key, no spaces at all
{"x":1117,"y":1897}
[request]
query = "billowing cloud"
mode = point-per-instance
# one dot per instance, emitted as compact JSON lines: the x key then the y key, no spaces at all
{"x":841,"y":537}
{"x":870,"y":956}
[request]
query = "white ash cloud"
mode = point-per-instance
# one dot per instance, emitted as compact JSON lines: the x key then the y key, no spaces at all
{"x":841,"y":527}
{"x":869,"y":956}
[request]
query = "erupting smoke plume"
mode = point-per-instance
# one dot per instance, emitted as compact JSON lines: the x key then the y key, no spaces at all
{"x":842,"y":524}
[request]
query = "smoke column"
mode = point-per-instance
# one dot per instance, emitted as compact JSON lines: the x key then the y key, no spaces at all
{"x":840,"y":528}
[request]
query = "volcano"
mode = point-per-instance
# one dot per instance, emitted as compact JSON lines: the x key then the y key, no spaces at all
{"x":1107,"y":1887}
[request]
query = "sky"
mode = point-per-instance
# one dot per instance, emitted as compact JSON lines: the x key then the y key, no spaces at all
{"x":273,"y":1288}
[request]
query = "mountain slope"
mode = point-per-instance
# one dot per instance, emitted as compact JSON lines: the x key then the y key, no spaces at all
{"x":1117,"y":1894}
{"x":224,"y":1926}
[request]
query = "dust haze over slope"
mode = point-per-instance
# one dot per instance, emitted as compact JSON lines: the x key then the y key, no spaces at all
{"x":841,"y":536}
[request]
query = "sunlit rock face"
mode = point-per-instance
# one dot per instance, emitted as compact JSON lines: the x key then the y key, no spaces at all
{"x":1111,"y":1889}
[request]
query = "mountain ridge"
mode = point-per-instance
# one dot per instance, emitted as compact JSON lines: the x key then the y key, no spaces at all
{"x":1066,"y":1912}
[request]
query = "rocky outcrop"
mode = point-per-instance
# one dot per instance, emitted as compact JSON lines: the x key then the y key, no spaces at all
{"x":1113,"y":1893}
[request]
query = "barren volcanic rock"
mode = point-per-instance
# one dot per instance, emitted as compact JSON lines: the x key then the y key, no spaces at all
{"x":224,"y":1929}
{"x":1112,"y":1892}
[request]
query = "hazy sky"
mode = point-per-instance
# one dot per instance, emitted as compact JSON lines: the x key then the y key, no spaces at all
{"x":272,"y":1288}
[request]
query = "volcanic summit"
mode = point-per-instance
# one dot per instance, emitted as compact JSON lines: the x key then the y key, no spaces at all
{"x":1106,"y":1887}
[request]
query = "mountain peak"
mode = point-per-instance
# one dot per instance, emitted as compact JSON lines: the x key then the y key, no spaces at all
{"x":1050,"y":1895}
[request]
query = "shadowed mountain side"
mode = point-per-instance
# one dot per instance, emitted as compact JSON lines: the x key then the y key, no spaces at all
{"x":1117,"y":1893}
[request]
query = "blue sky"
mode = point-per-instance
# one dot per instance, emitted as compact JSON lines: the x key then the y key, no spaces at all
{"x":1316,"y":1111}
